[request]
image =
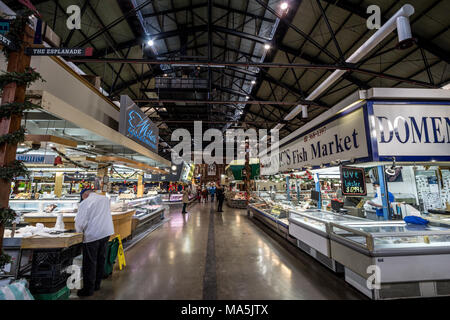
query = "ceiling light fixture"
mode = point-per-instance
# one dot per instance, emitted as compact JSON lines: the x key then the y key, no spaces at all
{"x":253,"y":81}
{"x":267,"y":46}
{"x":150,"y":42}
{"x":284,"y":5}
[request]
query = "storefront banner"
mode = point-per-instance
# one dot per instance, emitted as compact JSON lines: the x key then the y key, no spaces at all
{"x":411,"y":130}
{"x":136,"y":125}
{"x":341,"y":139}
{"x":36,"y":158}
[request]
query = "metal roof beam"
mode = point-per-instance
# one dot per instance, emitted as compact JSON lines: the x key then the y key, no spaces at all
{"x":424,"y":43}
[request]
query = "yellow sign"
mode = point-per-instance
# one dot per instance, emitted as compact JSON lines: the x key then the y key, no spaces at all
{"x":121,"y":254}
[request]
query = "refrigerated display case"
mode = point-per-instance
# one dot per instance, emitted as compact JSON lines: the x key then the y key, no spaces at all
{"x":311,"y":228}
{"x":408,"y":260}
{"x":236,"y":199}
{"x":149,"y":212}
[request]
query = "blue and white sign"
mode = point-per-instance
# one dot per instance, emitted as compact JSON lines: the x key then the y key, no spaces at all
{"x":36,"y":158}
{"x":411,"y":130}
{"x":136,"y":125}
{"x":342,"y":138}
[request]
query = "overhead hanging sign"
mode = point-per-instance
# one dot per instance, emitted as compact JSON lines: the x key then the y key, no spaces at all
{"x":36,"y":158}
{"x":71,"y":52}
{"x":353,"y":181}
{"x":343,"y":138}
{"x":412,"y":130}
{"x":136,"y":125}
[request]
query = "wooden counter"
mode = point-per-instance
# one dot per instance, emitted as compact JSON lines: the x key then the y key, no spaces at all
{"x":62,"y":241}
{"x":121,"y":221}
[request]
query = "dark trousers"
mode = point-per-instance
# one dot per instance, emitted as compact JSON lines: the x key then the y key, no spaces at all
{"x":212,"y":197}
{"x":184,"y":208}
{"x":219,"y":207}
{"x":94,"y":257}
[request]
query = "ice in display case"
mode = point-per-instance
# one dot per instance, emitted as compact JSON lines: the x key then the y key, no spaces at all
{"x":411,"y":260}
{"x":312,"y":228}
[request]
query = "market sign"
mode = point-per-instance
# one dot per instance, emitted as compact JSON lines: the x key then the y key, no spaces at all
{"x":340,"y":138}
{"x":353,"y":181}
{"x":71,"y":52}
{"x":7,"y":43}
{"x":136,"y":125}
{"x":36,"y":158}
{"x":413,"y":130}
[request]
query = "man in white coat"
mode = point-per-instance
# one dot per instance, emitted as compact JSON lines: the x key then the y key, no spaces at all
{"x":94,"y":220}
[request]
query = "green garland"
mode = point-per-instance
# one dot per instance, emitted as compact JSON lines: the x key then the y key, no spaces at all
{"x":20,"y":78}
{"x":13,"y":138}
{"x":16,"y":108}
{"x":4,"y":259}
{"x":13,"y":170}
{"x":7,"y":215}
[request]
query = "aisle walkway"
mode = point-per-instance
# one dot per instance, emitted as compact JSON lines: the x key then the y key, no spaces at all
{"x":204,"y":255}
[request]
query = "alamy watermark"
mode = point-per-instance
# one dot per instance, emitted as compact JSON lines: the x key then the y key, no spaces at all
{"x":222,"y":144}
{"x":74,"y":20}
{"x":374,"y":280}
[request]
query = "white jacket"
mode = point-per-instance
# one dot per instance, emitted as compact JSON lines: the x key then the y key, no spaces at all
{"x":94,"y":218}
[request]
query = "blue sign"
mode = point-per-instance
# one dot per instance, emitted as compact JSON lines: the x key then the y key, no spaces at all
{"x":36,"y":158}
{"x":136,"y":125}
{"x":141,"y":129}
{"x":4,"y":26}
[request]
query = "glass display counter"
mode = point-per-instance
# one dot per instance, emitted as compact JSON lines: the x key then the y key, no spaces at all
{"x":311,"y":228}
{"x":410,"y":260}
{"x":236,"y":199}
{"x":149,"y":212}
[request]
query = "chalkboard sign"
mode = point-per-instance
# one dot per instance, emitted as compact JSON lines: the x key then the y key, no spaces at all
{"x":353,"y":181}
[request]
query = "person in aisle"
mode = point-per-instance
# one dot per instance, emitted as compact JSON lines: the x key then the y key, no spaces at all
{"x":377,"y":202}
{"x":205,"y":195}
{"x":220,"y":198}
{"x":185,"y":199}
{"x":94,"y":220}
{"x":212,"y":192}
{"x":199,"y":195}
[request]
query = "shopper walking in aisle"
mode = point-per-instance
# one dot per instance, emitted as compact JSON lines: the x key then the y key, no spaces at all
{"x":199,"y":195}
{"x":185,"y":199}
{"x":94,"y":220}
{"x":205,"y":195}
{"x":220,"y":198}
{"x":212,"y":191}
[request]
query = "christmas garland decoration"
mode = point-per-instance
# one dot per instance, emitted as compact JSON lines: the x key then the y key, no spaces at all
{"x":13,"y":170}
{"x":14,"y":137}
{"x":7,"y":215}
{"x":20,"y":78}
{"x":76,"y":163}
{"x":16,"y":108}
{"x":4,"y":259}
{"x":123,"y":177}
{"x":16,"y":168}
